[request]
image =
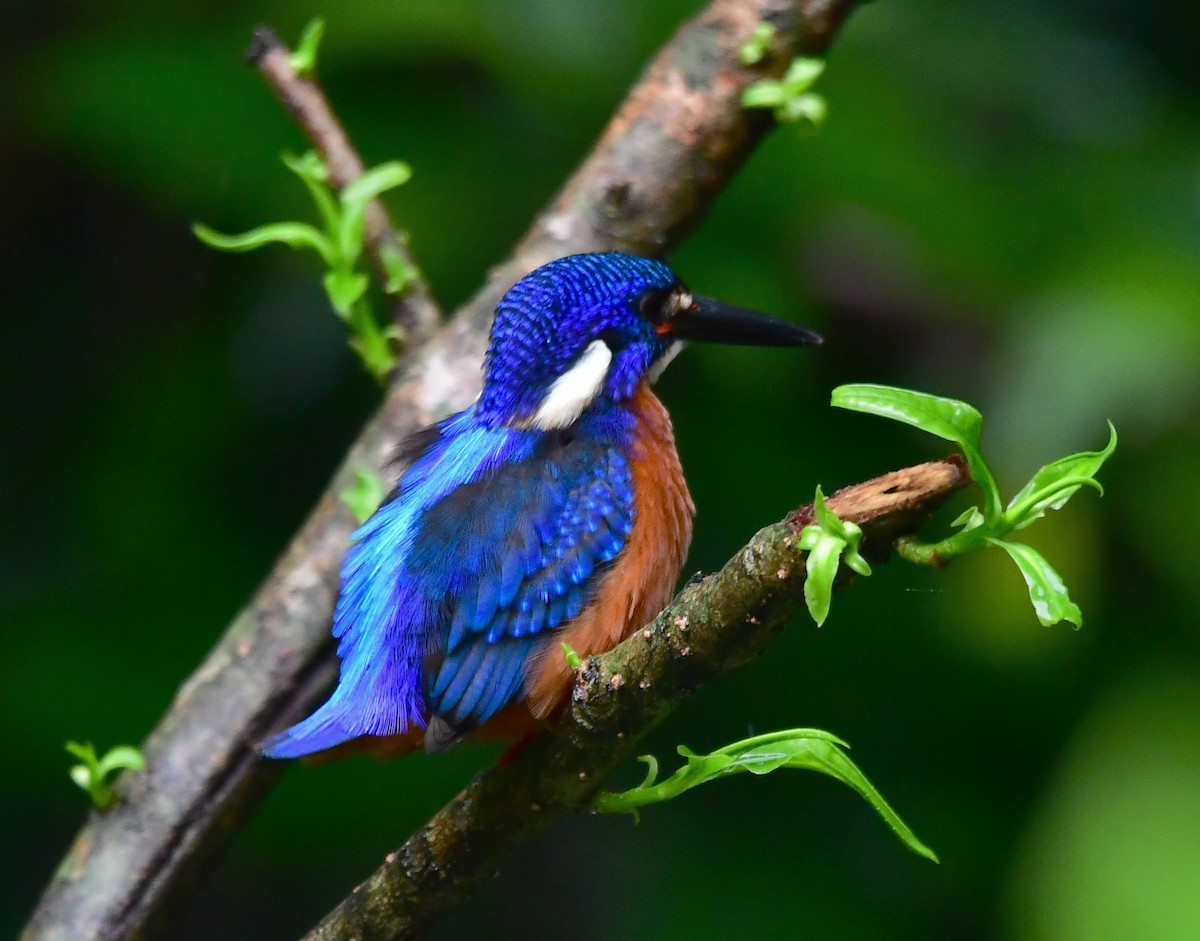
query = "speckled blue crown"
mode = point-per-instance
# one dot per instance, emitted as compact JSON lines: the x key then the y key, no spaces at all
{"x":549,"y":317}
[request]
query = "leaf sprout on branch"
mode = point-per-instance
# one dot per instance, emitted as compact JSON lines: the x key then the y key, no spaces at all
{"x":790,"y":97}
{"x":339,"y":243}
{"x":979,"y":527}
{"x":363,"y":497}
{"x":93,"y":772}
{"x":809,"y":749}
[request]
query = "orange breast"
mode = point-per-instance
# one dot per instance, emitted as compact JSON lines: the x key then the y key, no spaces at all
{"x":640,"y":583}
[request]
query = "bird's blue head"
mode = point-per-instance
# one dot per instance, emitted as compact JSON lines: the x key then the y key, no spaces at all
{"x":592,"y":327}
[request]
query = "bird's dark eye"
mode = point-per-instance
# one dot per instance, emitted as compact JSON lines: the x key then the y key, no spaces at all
{"x":653,"y":305}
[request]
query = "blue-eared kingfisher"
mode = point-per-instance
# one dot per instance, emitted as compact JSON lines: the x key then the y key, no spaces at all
{"x":552,"y":510}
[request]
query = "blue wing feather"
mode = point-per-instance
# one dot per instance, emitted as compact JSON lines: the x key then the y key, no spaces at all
{"x":494,"y":536}
{"x":386,"y":620}
{"x":556,"y":518}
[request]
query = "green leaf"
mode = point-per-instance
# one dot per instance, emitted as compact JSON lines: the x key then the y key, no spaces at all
{"x":810,"y":107}
{"x":754,"y":48}
{"x":802,"y":74}
{"x":569,"y":654}
{"x":92,"y":774}
{"x":343,"y":288}
{"x":121,"y":757}
{"x":1053,"y":485}
{"x":764,"y":94}
{"x":946,"y":418}
{"x":354,"y":200}
{"x":85,"y":752}
{"x":790,"y":95}
{"x":821,"y":567}
{"x":808,"y":749}
{"x":82,"y":776}
{"x":363,"y":496}
{"x":1046,"y":589}
{"x":304,"y":59}
{"x":313,"y":173}
{"x":827,"y":541}
{"x":377,"y":180}
{"x":969,"y":519}
{"x":374,"y":351}
{"x":308,"y":166}
{"x":293,"y":234}
{"x":400,"y":274}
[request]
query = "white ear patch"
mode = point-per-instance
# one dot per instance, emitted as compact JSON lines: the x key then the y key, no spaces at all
{"x":575,"y":389}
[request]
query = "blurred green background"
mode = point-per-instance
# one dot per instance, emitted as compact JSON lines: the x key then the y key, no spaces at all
{"x":1004,"y":206}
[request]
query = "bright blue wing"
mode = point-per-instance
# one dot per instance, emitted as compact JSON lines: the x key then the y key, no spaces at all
{"x":492,"y":537}
{"x":385,"y":622}
{"x":516,"y":554}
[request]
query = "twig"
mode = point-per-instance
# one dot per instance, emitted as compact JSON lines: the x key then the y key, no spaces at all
{"x":675,"y":140}
{"x":413,"y":308}
{"x":712,"y":628}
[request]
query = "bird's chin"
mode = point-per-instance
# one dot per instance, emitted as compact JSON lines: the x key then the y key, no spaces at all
{"x":659,"y":366}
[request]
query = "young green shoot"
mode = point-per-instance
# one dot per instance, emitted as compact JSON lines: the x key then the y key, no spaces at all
{"x":790,"y":97}
{"x":92,"y":774}
{"x":573,"y":659}
{"x":339,"y":243}
{"x":755,"y":48}
{"x":362,"y":498}
{"x":992,"y":523}
{"x":808,"y":749}
{"x":827,"y":542}
{"x":304,"y":60}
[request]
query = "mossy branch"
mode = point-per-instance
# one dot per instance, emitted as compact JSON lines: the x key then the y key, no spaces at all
{"x":413,"y":308}
{"x":713,"y":628}
{"x":670,"y":148}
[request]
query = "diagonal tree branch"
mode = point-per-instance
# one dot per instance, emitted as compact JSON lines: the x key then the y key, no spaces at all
{"x":677,"y":138}
{"x":712,"y":628}
{"x":413,"y":308}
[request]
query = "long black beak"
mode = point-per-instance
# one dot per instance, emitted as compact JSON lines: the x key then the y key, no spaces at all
{"x":711,"y":321}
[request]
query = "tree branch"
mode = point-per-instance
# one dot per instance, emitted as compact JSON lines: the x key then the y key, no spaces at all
{"x":413,"y":308}
{"x":678,"y":137}
{"x":712,"y":629}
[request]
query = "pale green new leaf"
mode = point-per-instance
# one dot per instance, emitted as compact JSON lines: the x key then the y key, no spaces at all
{"x":120,"y":757}
{"x":821,"y":565}
{"x":355,"y":197}
{"x":827,"y":541}
{"x":82,"y":776}
{"x":343,"y":288}
{"x":754,"y":48}
{"x":313,"y":173}
{"x":968,"y":519}
{"x":377,"y":180}
{"x":811,"y":108}
{"x":293,"y":234}
{"x":802,"y":74}
{"x":400,"y":274}
{"x":764,"y":94}
{"x":808,"y":749}
{"x":573,"y":659}
{"x":362,"y":498}
{"x":946,"y":418}
{"x":304,"y":59}
{"x":92,"y":774}
{"x":1053,"y":485}
{"x":1047,"y":591}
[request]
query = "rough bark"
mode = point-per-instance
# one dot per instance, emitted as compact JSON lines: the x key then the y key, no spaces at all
{"x":677,"y":138}
{"x":712,"y":628}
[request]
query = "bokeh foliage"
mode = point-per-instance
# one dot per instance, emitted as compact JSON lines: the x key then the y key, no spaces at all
{"x":1002,"y":206}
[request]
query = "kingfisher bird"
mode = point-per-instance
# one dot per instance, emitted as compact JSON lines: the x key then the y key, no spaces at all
{"x":552,"y":510}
